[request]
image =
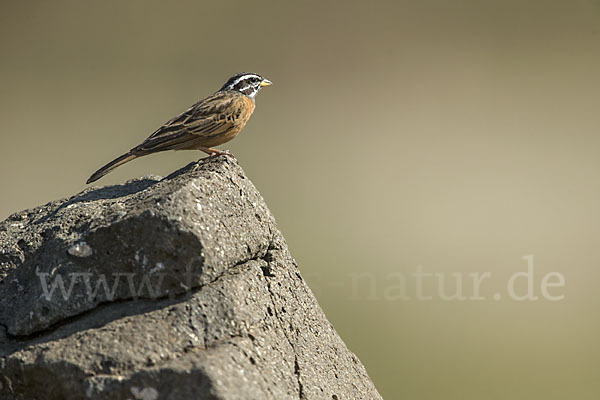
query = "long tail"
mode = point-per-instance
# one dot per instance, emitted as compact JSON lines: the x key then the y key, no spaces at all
{"x":112,"y":165}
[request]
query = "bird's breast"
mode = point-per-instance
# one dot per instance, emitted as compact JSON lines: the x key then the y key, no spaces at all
{"x":236,"y":117}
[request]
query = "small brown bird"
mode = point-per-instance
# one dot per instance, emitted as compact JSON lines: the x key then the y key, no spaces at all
{"x":210,"y":122}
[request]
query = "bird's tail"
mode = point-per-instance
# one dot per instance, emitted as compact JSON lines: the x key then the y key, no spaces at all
{"x":112,"y":165}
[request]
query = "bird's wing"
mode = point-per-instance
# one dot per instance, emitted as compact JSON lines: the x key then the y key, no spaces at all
{"x":208,"y":118}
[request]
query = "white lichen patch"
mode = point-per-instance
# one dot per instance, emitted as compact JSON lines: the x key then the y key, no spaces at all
{"x":81,"y":249}
{"x":147,"y":393}
{"x":157,"y":267}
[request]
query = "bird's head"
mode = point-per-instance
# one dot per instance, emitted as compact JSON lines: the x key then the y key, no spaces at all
{"x":246,"y":83}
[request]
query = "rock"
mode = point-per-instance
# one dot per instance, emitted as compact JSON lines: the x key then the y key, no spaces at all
{"x":174,"y":288}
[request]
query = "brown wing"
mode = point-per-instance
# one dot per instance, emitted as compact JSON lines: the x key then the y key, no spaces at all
{"x":215,"y":115}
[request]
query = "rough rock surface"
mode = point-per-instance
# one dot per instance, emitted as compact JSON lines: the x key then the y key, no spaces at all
{"x":174,"y":288}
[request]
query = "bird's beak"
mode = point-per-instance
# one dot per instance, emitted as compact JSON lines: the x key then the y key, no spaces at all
{"x":266,"y":82}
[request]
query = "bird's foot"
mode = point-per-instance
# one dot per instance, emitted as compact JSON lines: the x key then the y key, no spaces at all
{"x":215,"y":152}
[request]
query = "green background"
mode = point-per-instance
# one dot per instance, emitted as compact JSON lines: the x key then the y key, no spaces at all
{"x":459,"y":136}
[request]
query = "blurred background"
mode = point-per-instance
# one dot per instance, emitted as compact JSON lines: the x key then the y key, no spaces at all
{"x":454,"y":136}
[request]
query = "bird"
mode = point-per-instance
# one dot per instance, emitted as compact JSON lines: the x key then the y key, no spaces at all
{"x":210,"y":122}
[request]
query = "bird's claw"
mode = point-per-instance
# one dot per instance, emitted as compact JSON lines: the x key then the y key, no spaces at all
{"x":222,"y":153}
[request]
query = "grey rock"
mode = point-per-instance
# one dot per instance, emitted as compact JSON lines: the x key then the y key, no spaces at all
{"x":174,"y":288}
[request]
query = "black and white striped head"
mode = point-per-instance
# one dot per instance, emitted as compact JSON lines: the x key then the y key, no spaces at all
{"x":246,"y":83}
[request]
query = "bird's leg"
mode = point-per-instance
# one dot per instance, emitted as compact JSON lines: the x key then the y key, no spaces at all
{"x":214,"y":152}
